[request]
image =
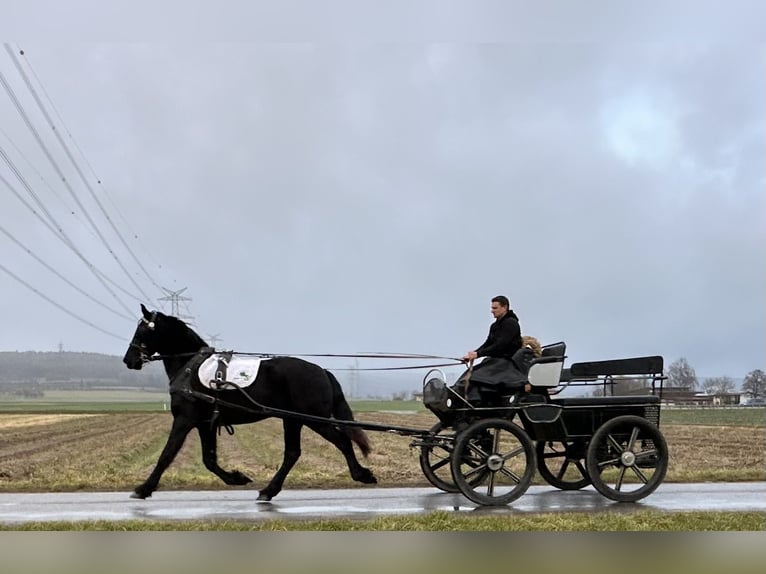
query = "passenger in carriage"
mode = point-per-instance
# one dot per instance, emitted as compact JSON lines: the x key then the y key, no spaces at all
{"x":504,"y":341}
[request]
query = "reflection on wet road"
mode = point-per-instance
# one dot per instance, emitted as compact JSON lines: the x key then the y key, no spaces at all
{"x":359,"y":503}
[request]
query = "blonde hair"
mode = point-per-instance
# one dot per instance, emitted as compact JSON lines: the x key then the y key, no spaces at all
{"x":537,"y":349}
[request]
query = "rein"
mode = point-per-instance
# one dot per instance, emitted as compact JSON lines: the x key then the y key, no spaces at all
{"x":454,"y":362}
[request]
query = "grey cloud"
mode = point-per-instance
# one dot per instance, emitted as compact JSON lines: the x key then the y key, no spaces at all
{"x":331,"y":198}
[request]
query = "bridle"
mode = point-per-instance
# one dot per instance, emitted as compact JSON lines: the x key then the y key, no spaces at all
{"x":150,"y":323}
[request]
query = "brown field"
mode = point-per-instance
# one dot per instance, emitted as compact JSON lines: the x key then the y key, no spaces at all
{"x":116,"y":451}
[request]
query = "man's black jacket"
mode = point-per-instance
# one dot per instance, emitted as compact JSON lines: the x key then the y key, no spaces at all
{"x":504,"y":337}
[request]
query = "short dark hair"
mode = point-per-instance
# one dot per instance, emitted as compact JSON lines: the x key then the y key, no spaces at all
{"x":502,"y":299}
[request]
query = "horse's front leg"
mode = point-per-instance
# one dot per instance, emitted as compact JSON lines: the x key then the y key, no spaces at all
{"x":292,"y":431}
{"x":178,"y":432}
{"x":209,"y":443}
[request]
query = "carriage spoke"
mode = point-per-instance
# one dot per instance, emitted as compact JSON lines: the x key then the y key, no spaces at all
{"x":633,"y":437}
{"x":476,"y":470}
{"x":514,"y":453}
{"x":563,"y":469}
{"x":510,"y":474}
{"x":614,"y":443}
{"x":620,"y":477}
{"x":491,"y":484}
{"x":442,"y":462}
{"x":477,"y":450}
{"x":610,"y":462}
{"x":640,"y":474}
{"x":646,"y":453}
{"x":496,"y":441}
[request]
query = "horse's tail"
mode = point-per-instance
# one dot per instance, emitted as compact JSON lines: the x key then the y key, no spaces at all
{"x":341,"y":411}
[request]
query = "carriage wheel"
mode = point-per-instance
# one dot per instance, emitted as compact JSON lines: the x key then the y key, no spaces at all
{"x":435,"y":460}
{"x":562,"y":464}
{"x":627,"y":458}
{"x":493,"y":462}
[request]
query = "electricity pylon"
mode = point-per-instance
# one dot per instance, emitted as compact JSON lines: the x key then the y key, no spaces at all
{"x":175,"y":297}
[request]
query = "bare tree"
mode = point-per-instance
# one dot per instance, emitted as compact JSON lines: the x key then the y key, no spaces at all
{"x":718,"y":385}
{"x":681,"y":374}
{"x":755,"y":384}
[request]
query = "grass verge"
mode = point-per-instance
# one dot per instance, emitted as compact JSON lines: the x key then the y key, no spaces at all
{"x":644,"y":521}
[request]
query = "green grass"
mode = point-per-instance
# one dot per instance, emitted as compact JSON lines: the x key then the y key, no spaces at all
{"x":447,"y":521}
{"x":56,"y":401}
{"x":735,"y":416}
{"x":96,"y":401}
{"x":367,"y":406}
{"x":37,"y":407}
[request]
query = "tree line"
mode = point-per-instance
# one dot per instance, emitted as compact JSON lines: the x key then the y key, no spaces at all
{"x":64,"y":369}
{"x":681,"y":374}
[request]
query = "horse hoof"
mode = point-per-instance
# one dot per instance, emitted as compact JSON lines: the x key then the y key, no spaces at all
{"x":139,"y":495}
{"x":263,"y":498}
{"x":239,"y":479}
{"x":366,"y":477}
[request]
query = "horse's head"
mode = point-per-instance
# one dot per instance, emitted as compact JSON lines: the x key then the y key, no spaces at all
{"x":163,"y":334}
{"x":145,"y":340}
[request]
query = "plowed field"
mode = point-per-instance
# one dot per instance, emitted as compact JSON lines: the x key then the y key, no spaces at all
{"x":116,"y":451}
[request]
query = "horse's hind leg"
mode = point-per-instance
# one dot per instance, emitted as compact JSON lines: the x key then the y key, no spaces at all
{"x":292,"y":432}
{"x":209,"y":443}
{"x":341,"y":440}
{"x":178,"y":432}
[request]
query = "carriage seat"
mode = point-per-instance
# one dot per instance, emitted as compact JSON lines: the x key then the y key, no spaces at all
{"x":545,"y":370}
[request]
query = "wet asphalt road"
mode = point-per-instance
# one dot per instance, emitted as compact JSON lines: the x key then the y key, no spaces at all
{"x":359,"y":503}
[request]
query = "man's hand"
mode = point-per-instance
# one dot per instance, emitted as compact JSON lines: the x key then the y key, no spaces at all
{"x":470,"y":356}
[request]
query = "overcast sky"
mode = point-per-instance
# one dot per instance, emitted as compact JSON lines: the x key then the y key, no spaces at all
{"x":349,"y":197}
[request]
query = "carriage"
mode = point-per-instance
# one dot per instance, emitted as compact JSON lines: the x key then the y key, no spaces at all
{"x":488,"y":449}
{"x":486,"y":446}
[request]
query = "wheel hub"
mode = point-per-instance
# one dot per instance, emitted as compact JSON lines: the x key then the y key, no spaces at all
{"x":495,"y":462}
{"x":628,"y":458}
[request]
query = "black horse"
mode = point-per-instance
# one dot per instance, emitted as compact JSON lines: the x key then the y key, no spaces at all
{"x":284,"y":383}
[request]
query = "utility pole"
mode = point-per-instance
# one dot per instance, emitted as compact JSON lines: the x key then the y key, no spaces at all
{"x":213,"y":339}
{"x":175,"y":297}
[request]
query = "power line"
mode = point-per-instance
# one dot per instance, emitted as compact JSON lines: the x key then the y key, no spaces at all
{"x":64,"y":180}
{"x":59,"y":275}
{"x":54,"y":227}
{"x":81,"y":174}
{"x":91,"y":169}
{"x":58,"y":305}
{"x":60,"y":197}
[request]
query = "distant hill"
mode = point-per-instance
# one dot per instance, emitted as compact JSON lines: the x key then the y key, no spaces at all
{"x":74,"y":370}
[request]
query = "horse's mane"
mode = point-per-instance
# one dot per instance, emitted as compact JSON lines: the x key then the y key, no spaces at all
{"x":180,"y":325}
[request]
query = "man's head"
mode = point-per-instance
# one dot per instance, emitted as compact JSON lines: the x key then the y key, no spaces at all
{"x":500,"y":305}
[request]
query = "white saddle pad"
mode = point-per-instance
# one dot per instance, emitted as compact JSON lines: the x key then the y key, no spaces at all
{"x":239,"y":370}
